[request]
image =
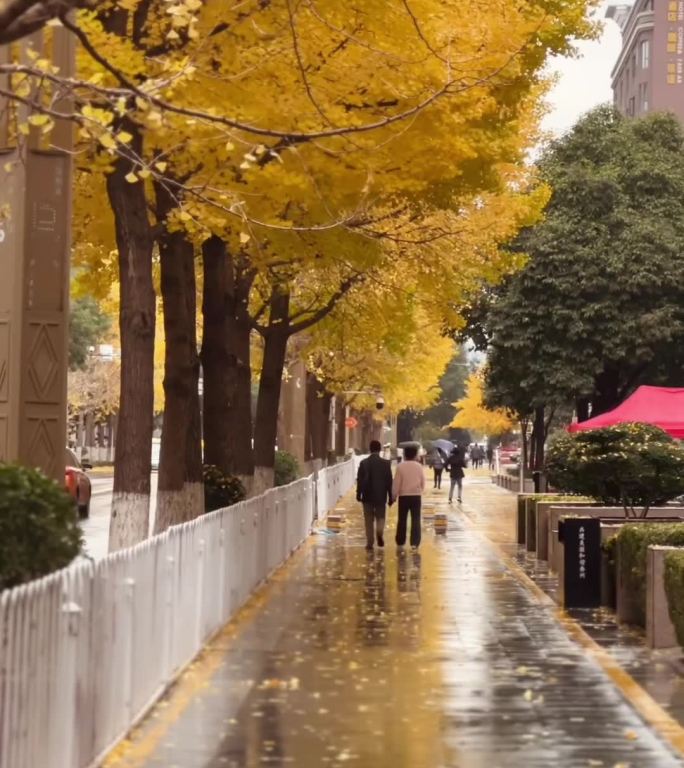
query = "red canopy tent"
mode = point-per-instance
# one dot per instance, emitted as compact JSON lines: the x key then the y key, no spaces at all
{"x":661,"y":406}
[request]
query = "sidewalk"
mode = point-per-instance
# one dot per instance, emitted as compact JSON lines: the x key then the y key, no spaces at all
{"x":442,"y":658}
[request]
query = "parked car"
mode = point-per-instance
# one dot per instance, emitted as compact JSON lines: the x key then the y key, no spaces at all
{"x":77,"y":482}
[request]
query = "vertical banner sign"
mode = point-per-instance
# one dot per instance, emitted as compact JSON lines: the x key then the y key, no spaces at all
{"x":675,"y":42}
{"x":581,"y":538}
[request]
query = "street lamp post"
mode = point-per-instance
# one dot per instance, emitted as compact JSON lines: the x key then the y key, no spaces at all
{"x":35,"y":213}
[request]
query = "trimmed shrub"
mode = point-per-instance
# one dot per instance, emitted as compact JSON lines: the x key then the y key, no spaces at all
{"x":39,"y":530}
{"x":286,"y":468}
{"x":632,"y":544}
{"x":628,"y":465}
{"x":221,"y":490}
{"x":674,"y":588}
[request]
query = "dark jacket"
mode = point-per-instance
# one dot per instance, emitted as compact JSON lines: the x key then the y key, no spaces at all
{"x":456,"y":464}
{"x":374,"y":480}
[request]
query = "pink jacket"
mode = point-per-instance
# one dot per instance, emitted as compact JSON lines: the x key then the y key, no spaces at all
{"x":409,"y":480}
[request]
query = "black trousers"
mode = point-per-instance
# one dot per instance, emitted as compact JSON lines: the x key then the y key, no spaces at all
{"x":438,"y":476}
{"x":374,"y":518}
{"x":408,"y":504}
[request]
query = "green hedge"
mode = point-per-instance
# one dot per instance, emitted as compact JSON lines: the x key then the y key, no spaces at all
{"x":628,"y":465}
{"x":220,"y":490}
{"x":674,"y":588}
{"x":632,"y":543}
{"x":39,"y":530}
{"x":286,"y":468}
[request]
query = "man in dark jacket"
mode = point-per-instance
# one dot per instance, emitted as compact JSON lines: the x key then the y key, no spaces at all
{"x":455,"y":465}
{"x":374,"y":491}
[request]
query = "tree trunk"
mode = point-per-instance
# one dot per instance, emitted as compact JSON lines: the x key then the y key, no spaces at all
{"x":341,"y":427}
{"x":90,"y":429}
{"x":317,"y":419}
{"x":268,"y":400}
{"x":606,"y":391}
{"x":525,"y":442}
{"x":176,"y":496}
{"x":540,"y":438}
{"x":226,"y":364}
{"x":131,"y":499}
{"x":582,"y":408}
{"x":194,"y":481}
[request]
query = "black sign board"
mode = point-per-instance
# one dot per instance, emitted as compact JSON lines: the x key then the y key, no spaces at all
{"x":581,"y":539}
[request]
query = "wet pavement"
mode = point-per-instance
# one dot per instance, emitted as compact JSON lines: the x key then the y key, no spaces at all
{"x":659,"y":672}
{"x":427,"y":660}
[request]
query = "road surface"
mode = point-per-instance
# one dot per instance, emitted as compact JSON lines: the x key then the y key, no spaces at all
{"x":96,"y":527}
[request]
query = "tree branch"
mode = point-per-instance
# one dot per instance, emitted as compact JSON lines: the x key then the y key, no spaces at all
{"x":328,"y":307}
{"x":20,"y":18}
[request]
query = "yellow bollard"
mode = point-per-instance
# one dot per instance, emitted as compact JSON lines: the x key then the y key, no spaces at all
{"x":441,"y":521}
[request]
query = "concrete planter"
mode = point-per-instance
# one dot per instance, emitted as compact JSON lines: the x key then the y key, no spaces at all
{"x":628,"y":608}
{"x":538,"y":516}
{"x":557,"y":511}
{"x":608,"y":569}
{"x":660,"y":632}
{"x":526,"y":506}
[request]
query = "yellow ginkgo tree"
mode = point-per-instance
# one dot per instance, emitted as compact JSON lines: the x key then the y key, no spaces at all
{"x":472,"y":413}
{"x":310,"y":139}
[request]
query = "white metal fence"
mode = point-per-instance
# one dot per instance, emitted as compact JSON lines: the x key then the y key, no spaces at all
{"x":333,"y":482}
{"x":85,"y":651}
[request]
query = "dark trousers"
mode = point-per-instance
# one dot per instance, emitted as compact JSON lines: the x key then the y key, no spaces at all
{"x":374,"y":518}
{"x":438,"y":476}
{"x":408,"y":504}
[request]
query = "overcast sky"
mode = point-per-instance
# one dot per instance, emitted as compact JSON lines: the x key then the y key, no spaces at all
{"x":583,"y":82}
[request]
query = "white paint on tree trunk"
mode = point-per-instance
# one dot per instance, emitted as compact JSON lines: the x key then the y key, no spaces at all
{"x":175,"y":507}
{"x":248,"y":484}
{"x":263,"y":480}
{"x":130,"y":521}
{"x":194,"y":493}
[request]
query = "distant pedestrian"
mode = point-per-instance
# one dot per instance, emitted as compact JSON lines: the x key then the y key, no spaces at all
{"x":374,"y":491}
{"x":438,"y":468}
{"x":490,"y":457}
{"x":477,"y":454}
{"x":456,"y":465}
{"x":409,"y":484}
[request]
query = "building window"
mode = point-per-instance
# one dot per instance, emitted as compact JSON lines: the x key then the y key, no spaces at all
{"x":643,"y":97}
{"x":645,"y":54}
{"x":631,"y":106}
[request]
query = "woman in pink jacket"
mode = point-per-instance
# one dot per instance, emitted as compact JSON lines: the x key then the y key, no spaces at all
{"x":408,"y":487}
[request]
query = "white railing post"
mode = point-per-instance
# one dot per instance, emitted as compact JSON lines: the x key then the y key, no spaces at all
{"x":169,"y":611}
{"x":222,"y":574}
{"x":199,"y":597}
{"x":129,"y":647}
{"x":67,"y":674}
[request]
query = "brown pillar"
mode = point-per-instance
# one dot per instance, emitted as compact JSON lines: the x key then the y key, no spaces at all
{"x":35,"y":221}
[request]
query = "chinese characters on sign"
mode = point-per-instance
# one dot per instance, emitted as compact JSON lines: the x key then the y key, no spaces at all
{"x":675,"y":42}
{"x":582,"y":554}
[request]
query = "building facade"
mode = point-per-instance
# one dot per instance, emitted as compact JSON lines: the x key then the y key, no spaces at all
{"x":649,"y":74}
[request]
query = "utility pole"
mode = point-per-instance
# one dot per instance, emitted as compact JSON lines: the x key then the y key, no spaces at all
{"x":35,"y":224}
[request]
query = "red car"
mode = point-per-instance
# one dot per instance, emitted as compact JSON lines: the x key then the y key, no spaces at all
{"x":77,"y":482}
